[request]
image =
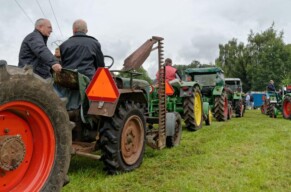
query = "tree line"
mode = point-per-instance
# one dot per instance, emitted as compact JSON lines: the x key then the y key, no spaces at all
{"x":265,"y":56}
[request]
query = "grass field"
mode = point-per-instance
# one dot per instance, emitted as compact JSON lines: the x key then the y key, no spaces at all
{"x":252,"y":153}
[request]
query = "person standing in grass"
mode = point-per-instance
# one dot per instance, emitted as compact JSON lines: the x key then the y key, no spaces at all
{"x":248,"y":100}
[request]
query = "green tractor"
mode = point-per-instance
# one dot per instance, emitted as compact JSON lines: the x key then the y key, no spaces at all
{"x":279,"y":103}
{"x":236,"y":97}
{"x":213,"y":90}
{"x":185,"y":99}
{"x":274,"y":104}
{"x":36,"y":141}
{"x":286,"y":106}
{"x":115,"y":116}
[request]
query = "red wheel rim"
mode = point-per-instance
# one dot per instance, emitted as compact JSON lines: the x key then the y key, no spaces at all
{"x":287,"y":108}
{"x":37,"y":134}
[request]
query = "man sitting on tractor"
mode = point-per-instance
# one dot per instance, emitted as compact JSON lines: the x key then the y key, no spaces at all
{"x":271,"y":86}
{"x":171,"y":72}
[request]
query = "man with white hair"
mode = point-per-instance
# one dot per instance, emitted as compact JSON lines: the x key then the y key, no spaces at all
{"x":82,"y":52}
{"x":34,"y":50}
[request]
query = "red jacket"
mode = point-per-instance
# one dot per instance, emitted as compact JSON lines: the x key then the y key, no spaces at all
{"x":170,"y":73}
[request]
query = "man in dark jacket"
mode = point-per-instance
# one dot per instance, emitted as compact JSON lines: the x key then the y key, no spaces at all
{"x":34,"y":50}
{"x":82,"y":52}
{"x":271,"y":86}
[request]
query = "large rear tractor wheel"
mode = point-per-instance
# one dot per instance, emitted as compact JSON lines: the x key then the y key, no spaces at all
{"x":193,"y":110}
{"x":287,"y":107}
{"x":35,"y":137}
{"x":267,"y":107}
{"x":176,"y":121}
{"x":123,"y":139}
{"x":239,"y":108}
{"x":264,"y":108}
{"x":221,"y":107}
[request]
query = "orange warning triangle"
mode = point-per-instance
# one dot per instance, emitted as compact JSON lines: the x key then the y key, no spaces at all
{"x":169,"y":89}
{"x":102,"y":87}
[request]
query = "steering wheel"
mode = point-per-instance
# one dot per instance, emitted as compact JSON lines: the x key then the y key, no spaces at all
{"x":112,"y":61}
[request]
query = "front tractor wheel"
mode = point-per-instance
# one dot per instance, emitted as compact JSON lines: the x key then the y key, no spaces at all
{"x":174,"y":119}
{"x":35,"y":137}
{"x":287,"y":107}
{"x":123,"y":139}
{"x":272,"y":111}
{"x":193,"y":110}
{"x":208,"y":119}
{"x":221,"y":107}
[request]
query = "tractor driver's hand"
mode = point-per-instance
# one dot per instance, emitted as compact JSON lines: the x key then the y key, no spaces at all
{"x":57,"y":67}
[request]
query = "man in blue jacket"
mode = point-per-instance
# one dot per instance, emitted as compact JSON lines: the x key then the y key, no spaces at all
{"x":81,"y":51}
{"x":34,"y":50}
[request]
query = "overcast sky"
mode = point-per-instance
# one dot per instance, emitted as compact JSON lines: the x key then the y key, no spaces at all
{"x":192,"y":29}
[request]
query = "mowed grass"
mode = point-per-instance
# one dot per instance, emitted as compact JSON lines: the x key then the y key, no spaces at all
{"x":252,"y":153}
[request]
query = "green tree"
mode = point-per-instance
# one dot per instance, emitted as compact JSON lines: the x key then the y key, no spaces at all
{"x":286,"y":74}
{"x":233,"y":59}
{"x":264,"y":57}
{"x":269,"y":58}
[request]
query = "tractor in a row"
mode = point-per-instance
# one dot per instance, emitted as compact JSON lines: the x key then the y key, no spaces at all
{"x":236,"y":96}
{"x":214,"y":90}
{"x":185,"y":99}
{"x":36,"y":140}
{"x":279,"y":103}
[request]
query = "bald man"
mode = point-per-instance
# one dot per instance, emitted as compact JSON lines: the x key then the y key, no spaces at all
{"x":34,"y":50}
{"x":82,"y":52}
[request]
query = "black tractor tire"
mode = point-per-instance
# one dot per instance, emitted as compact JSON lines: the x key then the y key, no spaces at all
{"x":123,"y":138}
{"x":32,"y":102}
{"x":267,"y":107}
{"x":287,"y":107}
{"x":271,"y":110}
{"x":193,"y":115}
{"x":229,"y":114}
{"x":239,"y":108}
{"x":221,"y":107}
{"x":263,"y":109}
{"x":172,"y":141}
{"x":208,"y":119}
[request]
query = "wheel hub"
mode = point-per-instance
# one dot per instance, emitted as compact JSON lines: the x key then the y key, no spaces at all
{"x":12,"y":152}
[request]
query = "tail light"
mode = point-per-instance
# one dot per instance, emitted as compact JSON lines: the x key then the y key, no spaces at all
{"x":185,"y":88}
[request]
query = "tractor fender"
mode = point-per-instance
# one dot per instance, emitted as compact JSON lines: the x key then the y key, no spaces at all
{"x":189,"y":91}
{"x":217,"y":90}
{"x":170,"y":124}
{"x":237,"y":96}
{"x":107,"y":109}
{"x":287,"y":94}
